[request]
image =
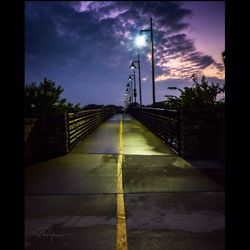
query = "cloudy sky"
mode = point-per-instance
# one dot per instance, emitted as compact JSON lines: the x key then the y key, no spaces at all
{"x":86,"y":47}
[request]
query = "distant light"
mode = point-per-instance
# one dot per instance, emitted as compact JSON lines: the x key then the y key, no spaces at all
{"x":140,"y":41}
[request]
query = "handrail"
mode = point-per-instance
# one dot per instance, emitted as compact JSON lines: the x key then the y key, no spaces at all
{"x":164,"y":123}
{"x":82,"y":123}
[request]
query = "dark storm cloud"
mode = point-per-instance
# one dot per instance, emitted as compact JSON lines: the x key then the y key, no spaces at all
{"x":220,"y":66}
{"x":179,"y":44}
{"x":65,"y":33}
{"x":200,"y":60}
{"x":50,"y":32}
{"x":168,"y":15}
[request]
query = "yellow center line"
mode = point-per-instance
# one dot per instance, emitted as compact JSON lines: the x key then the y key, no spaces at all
{"x":121,"y":239}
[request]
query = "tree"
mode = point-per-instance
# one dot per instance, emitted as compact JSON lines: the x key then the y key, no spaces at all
{"x":118,"y":109}
{"x":68,"y":107}
{"x":200,"y":95}
{"x":172,"y":102}
{"x":45,"y":98}
{"x":133,"y":105}
{"x":93,"y":106}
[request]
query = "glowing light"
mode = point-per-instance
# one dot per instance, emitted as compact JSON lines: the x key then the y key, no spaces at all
{"x":140,"y":41}
{"x":132,"y":66}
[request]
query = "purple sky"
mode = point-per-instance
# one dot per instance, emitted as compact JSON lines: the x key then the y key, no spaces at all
{"x":86,"y":47}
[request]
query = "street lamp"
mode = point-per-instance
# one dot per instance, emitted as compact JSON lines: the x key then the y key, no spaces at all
{"x":130,"y":79}
{"x":132,"y":66}
{"x":129,"y":87}
{"x":127,"y":93}
{"x":140,"y":42}
{"x":126,"y":99}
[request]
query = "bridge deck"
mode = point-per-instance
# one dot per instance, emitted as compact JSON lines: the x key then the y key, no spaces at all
{"x":71,"y":201}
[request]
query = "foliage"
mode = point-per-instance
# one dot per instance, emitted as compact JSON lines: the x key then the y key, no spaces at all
{"x":93,"y":106}
{"x":118,"y":109}
{"x":133,"y":105}
{"x":172,"y":102}
{"x":70,"y":107}
{"x":45,"y":98}
{"x":160,"y":105}
{"x":200,"y":95}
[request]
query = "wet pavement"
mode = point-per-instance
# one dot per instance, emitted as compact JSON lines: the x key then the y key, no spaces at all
{"x":175,"y":220}
{"x":71,"y":204}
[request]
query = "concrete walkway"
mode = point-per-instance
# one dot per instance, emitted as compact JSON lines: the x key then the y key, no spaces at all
{"x":70,"y":201}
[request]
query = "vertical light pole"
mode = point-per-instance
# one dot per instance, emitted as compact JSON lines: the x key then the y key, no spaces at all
{"x":152,"y":57}
{"x":126,"y":98}
{"x":130,"y":79}
{"x":132,"y":66}
{"x":129,"y":86}
{"x":125,"y":101}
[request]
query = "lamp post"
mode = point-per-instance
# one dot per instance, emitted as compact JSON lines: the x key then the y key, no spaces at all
{"x":132,"y":66}
{"x":152,"y":57}
{"x":126,"y":97}
{"x":129,"y":87}
{"x":130,"y":79}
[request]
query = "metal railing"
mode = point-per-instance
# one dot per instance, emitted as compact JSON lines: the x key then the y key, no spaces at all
{"x":82,"y":123}
{"x":164,"y":123}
